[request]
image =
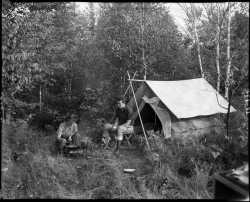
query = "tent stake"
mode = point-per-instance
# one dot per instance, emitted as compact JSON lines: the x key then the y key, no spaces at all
{"x":138,"y":112}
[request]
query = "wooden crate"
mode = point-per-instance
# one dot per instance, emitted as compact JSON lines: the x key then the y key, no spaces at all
{"x":228,"y":188}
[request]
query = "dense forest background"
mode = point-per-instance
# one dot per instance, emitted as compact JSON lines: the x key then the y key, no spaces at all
{"x":56,"y":59}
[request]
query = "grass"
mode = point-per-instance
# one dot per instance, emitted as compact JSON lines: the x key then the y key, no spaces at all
{"x":179,"y":187}
{"x":196,"y":186}
{"x":39,"y":173}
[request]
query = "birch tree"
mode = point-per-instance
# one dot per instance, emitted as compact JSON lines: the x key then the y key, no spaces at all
{"x":228,"y":74}
{"x":215,"y":14}
{"x":142,"y":41}
{"x":218,"y":49}
{"x":193,"y":15}
{"x":91,"y":18}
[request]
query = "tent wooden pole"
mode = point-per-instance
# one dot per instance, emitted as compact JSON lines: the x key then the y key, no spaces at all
{"x":129,"y":85}
{"x":136,"y":80}
{"x":138,"y":112}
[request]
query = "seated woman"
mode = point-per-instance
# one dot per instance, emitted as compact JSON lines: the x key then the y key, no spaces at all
{"x":68,"y":132}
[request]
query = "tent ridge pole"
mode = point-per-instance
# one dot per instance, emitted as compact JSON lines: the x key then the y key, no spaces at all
{"x":136,"y":79}
{"x":138,"y":112}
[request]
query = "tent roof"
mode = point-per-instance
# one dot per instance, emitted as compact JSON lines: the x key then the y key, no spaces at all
{"x":189,"y":98}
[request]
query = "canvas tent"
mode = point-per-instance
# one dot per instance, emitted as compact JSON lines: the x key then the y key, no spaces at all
{"x":179,"y":107}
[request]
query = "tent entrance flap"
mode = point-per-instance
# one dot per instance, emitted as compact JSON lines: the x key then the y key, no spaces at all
{"x":162,"y":114}
{"x":165,"y":120}
{"x":149,"y":118}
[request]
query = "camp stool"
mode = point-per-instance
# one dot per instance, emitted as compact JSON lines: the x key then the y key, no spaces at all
{"x":127,"y":136}
{"x":106,"y":139}
{"x":86,"y":144}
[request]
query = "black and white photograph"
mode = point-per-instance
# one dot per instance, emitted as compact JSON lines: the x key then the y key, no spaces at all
{"x":125,"y":100}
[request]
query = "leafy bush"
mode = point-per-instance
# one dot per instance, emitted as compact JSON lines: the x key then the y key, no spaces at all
{"x":39,"y":120}
{"x":95,"y":103}
{"x":212,"y":153}
{"x":166,"y":182}
{"x":230,"y":148}
{"x":185,"y":166}
{"x":47,"y":119}
{"x":63,"y":104}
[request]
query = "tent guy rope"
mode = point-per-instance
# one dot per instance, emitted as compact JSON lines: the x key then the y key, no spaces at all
{"x":138,"y":111}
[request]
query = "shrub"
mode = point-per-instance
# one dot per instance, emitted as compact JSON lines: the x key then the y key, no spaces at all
{"x":185,"y":165}
{"x":62,"y":103}
{"x":48,"y":119}
{"x":94,"y":102}
{"x":40,"y":119}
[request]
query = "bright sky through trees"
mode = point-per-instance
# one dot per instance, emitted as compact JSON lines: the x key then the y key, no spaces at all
{"x":174,"y":9}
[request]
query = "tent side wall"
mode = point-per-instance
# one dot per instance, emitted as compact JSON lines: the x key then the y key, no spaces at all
{"x":195,"y":127}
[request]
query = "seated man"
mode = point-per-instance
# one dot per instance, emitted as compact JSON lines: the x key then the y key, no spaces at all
{"x":122,"y":123}
{"x":68,"y":132}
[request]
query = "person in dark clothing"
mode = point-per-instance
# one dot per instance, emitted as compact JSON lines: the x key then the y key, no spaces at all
{"x":122,"y":123}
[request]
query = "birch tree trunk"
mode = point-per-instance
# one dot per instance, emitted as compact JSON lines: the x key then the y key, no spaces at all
{"x":198,"y":50}
{"x":92,"y":18}
{"x":197,"y":38}
{"x":74,"y":6}
{"x":70,"y":89}
{"x":65,"y":88}
{"x":218,"y":50}
{"x":144,"y":63}
{"x":8,"y":116}
{"x":40,"y":98}
{"x":3,"y":113}
{"x":228,"y":53}
{"x":143,"y":44}
{"x":45,"y":95}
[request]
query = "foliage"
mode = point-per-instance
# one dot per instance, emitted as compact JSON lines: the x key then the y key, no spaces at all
{"x":121,"y":35}
{"x":78,"y":63}
{"x":37,"y":173}
{"x":52,"y":48}
{"x":170,"y":185}
{"x":239,"y":44}
{"x":38,"y":45}
{"x":39,"y":120}
{"x":186,"y":171}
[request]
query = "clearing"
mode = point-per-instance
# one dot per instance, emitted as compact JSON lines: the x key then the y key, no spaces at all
{"x":31,"y":170}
